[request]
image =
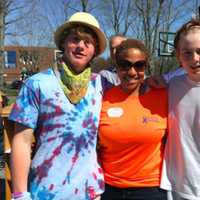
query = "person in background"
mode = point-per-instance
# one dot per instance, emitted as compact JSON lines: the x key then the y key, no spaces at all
{"x":114,"y":42}
{"x":110,"y":73}
{"x":132,"y":130}
{"x":3,"y":102}
{"x":61,"y":108}
{"x":181,"y":168}
{"x":24,"y":74}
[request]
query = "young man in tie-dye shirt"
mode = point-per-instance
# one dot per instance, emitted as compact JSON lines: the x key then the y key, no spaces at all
{"x":61,"y":107}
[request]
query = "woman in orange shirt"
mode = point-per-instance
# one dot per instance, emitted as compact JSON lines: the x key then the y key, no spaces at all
{"x":132,"y":130}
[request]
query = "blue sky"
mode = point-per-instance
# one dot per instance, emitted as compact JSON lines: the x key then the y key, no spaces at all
{"x":52,"y":10}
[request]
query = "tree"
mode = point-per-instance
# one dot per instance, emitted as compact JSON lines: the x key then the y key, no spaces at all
{"x":142,"y":19}
{"x":117,"y":16}
{"x":3,"y":9}
{"x":30,"y":59}
{"x":9,"y":14}
{"x":155,"y":16}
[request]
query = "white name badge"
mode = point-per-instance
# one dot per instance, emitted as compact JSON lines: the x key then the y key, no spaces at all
{"x":115,"y":112}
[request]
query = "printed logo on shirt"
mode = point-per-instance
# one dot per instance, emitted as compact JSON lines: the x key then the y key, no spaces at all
{"x":115,"y":112}
{"x":146,"y":120}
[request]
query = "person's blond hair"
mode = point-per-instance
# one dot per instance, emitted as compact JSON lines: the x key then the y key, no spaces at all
{"x":185,"y":29}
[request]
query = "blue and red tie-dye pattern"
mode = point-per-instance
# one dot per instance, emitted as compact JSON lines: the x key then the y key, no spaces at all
{"x":65,"y":164}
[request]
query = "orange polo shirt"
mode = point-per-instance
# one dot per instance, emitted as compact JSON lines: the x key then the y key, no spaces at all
{"x":131,"y":136}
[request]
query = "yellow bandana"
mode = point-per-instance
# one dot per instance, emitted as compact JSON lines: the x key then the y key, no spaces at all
{"x":74,"y":86}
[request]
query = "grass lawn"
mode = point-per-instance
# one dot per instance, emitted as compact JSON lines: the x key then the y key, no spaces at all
{"x":11,"y":100}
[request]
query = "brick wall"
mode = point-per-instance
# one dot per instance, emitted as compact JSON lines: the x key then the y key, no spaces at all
{"x":46,"y":57}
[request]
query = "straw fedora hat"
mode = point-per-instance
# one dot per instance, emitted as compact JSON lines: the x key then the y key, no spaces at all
{"x":85,"y":19}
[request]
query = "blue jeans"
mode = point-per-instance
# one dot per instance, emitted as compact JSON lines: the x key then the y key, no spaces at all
{"x":146,"y":193}
{"x":2,"y":189}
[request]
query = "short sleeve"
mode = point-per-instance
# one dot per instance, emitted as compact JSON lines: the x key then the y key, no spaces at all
{"x":26,"y":108}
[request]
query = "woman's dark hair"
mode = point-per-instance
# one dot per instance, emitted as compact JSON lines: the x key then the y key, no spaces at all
{"x":131,"y":43}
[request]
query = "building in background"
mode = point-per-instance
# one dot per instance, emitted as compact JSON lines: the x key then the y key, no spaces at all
{"x":34,"y":59}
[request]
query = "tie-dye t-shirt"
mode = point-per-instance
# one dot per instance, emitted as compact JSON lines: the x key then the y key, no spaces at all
{"x":64,"y":166}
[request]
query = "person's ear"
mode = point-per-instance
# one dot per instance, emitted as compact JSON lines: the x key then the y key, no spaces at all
{"x":63,"y":45}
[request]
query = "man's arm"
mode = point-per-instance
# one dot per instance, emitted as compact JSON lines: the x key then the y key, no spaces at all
{"x":161,"y":81}
{"x":21,"y":157}
{"x":110,"y":76}
{"x":178,"y":72}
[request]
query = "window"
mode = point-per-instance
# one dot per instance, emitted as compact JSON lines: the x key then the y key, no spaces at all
{"x":10,"y":59}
